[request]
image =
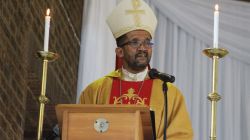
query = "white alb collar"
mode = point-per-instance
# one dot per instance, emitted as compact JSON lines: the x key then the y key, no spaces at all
{"x":127,"y":76}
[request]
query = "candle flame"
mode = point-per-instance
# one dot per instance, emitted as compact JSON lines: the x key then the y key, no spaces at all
{"x":47,"y":12}
{"x":216,"y":7}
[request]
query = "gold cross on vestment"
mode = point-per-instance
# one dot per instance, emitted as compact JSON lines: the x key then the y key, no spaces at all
{"x":131,"y":93}
{"x":136,"y":12}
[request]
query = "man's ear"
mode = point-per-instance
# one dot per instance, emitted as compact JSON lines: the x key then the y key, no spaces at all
{"x":119,"y":52}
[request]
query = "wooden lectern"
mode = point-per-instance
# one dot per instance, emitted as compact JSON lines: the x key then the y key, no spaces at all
{"x":106,"y":122}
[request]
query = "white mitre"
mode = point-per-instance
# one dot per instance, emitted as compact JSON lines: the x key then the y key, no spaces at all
{"x":132,"y":15}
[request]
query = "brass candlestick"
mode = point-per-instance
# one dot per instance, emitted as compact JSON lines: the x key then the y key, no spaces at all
{"x":46,"y":57}
{"x":215,"y":54}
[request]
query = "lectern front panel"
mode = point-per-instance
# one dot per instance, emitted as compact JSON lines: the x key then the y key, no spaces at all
{"x":81,"y":126}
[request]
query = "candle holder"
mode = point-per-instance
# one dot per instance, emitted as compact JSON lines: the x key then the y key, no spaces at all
{"x":214,"y":97}
{"x":46,"y":57}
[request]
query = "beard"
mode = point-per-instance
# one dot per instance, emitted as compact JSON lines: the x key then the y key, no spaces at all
{"x":140,"y":61}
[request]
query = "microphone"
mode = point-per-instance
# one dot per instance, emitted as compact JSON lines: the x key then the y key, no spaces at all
{"x":153,"y":74}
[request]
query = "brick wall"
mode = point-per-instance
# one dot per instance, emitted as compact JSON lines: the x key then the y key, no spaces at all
{"x":21,"y":36}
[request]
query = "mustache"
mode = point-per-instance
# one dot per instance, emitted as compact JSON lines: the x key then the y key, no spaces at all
{"x":145,"y":53}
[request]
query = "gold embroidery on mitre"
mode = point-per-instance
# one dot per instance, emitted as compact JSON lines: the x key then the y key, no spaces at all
{"x":130,"y":96}
{"x":136,"y":12}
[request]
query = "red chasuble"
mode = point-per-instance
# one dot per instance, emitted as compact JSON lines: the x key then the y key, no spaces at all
{"x":130,"y":92}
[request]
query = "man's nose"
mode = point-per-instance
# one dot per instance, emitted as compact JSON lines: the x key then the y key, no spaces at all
{"x":142,"y":47}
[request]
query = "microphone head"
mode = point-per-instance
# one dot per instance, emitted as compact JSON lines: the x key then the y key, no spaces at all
{"x":153,"y":73}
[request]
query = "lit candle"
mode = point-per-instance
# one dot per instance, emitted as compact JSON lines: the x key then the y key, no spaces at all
{"x":46,"y":33}
{"x":216,"y":25}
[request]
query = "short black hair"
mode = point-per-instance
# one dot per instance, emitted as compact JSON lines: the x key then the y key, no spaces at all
{"x":121,"y":40}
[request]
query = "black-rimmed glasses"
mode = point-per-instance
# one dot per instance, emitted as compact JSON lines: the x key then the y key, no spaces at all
{"x":138,"y":43}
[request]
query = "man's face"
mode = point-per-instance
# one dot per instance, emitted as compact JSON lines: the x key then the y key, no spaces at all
{"x":136,"y":57}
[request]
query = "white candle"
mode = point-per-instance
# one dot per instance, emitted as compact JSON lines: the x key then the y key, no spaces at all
{"x":216,"y":25}
{"x":46,"y":32}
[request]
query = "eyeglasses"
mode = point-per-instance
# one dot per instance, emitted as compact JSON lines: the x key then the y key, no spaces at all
{"x":138,"y":43}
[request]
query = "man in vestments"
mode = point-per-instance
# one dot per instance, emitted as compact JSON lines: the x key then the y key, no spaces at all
{"x":133,"y":24}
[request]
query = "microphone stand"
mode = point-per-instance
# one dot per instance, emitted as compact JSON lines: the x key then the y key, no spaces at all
{"x":165,"y":90}
{"x":153,"y":73}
